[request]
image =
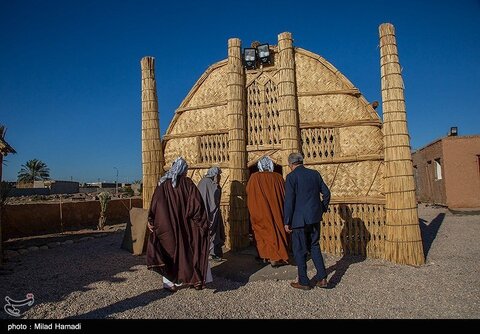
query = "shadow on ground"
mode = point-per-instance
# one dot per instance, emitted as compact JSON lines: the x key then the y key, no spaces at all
{"x":124,"y":305}
{"x":340,"y":268}
{"x":429,"y":231}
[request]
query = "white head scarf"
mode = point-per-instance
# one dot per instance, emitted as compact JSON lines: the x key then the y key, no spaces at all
{"x":265,"y":164}
{"x":213,"y":171}
{"x":179,"y":167}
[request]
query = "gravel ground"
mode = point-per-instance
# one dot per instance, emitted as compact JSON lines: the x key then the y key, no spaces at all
{"x":96,"y":279}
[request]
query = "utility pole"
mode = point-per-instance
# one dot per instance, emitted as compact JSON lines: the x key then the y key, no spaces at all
{"x":116,"y":182}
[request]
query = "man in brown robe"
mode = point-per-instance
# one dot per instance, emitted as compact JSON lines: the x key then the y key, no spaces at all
{"x":265,"y":198}
{"x":178,"y":245}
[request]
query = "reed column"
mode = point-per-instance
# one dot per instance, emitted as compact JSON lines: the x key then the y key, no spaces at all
{"x":237,"y":149}
{"x":403,"y":242}
{"x":152,"y":154}
{"x":287,"y":105}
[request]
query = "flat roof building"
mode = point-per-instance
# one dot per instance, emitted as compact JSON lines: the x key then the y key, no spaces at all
{"x":447,"y":172}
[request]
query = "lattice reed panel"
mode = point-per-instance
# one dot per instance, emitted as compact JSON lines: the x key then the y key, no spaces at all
{"x":272,"y":118}
{"x":254,"y":128}
{"x":376,"y":227}
{"x":213,"y":148}
{"x":263,"y":115}
{"x":354,"y":229}
{"x":320,"y":144}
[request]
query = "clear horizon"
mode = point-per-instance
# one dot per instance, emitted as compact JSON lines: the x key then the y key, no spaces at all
{"x":70,"y":71}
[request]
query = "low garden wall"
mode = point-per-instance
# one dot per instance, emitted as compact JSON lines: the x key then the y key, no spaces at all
{"x":25,"y":220}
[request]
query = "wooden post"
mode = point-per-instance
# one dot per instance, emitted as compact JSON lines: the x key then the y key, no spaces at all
{"x":403,"y":242}
{"x":152,"y":154}
{"x":237,"y":150}
{"x":287,"y":105}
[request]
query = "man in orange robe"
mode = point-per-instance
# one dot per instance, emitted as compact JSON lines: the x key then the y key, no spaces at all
{"x":265,"y":198}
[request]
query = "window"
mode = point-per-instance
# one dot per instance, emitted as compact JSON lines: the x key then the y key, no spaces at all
{"x":438,"y":169}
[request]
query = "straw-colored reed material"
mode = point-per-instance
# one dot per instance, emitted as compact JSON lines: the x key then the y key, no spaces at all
{"x":320,"y":86}
{"x":403,"y":242}
{"x":184,"y":147}
{"x":263,"y":115}
{"x":354,"y":229}
{"x":213,"y":80}
{"x":202,"y":120}
{"x":360,"y":179}
{"x":152,"y":155}
{"x":232,"y":117}
{"x":334,"y":106}
{"x":206,"y":90}
{"x":237,"y":151}
{"x":355,"y":170}
{"x":324,"y":78}
{"x":287,"y":105}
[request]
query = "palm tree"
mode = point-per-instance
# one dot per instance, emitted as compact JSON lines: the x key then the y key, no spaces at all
{"x":33,"y":170}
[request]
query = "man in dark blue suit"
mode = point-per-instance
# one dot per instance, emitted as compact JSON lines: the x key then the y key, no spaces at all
{"x":303,"y":212}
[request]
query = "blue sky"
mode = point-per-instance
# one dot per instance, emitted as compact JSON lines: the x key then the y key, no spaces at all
{"x":70,"y":70}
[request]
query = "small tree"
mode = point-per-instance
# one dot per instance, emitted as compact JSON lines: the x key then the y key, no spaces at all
{"x":104,"y":197}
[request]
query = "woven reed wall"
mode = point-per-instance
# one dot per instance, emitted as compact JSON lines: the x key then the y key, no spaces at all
{"x":319,"y":144}
{"x":212,"y":90}
{"x":361,"y":179}
{"x":341,"y":137}
{"x":314,"y":73}
{"x":198,"y":129}
{"x":213,"y":149}
{"x":361,"y":140}
{"x":263,"y":116}
{"x":200,"y":119}
{"x":354,"y":229}
{"x":185,"y":147}
{"x":330,"y":108}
